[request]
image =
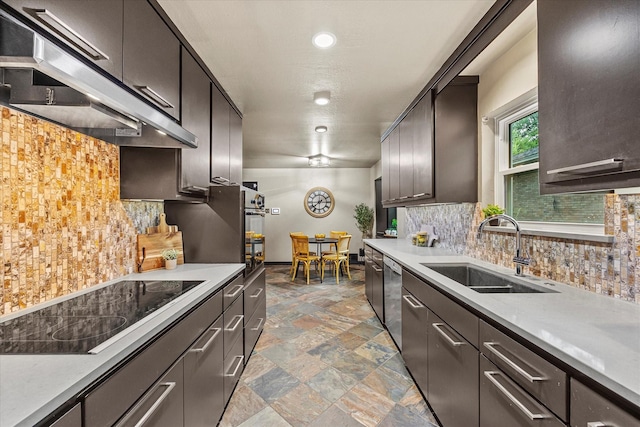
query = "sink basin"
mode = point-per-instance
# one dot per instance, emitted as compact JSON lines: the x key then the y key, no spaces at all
{"x":485,"y":281}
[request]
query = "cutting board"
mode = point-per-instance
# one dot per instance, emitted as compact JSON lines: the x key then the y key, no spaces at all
{"x":151,"y":245}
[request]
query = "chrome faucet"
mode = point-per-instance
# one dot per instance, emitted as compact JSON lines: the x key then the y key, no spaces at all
{"x":519,"y":260}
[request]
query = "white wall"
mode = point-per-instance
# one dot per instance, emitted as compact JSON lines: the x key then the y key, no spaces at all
{"x":286,"y":188}
{"x":512,"y":75}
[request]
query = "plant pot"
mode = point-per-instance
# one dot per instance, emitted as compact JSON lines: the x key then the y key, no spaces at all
{"x":494,"y":222}
{"x":170,"y":264}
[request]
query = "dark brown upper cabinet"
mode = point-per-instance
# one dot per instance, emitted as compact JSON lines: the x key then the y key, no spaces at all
{"x":588,"y":95}
{"x":235,"y":147}
{"x":151,"y":57}
{"x":220,"y":154}
{"x":92,"y":29}
{"x":196,"y":118}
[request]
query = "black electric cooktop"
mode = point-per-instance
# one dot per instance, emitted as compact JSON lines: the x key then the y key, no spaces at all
{"x":79,"y":324}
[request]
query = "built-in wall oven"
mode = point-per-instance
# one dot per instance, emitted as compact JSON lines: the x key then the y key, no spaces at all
{"x":254,"y":238}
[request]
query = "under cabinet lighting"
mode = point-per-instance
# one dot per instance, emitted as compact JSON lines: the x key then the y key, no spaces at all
{"x":319,"y":161}
{"x":324,"y":40}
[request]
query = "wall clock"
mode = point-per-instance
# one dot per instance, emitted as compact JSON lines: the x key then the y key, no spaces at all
{"x":319,"y":202}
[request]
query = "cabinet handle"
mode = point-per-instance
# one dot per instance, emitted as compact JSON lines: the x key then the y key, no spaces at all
{"x":236,"y":292}
{"x":220,"y":180}
{"x":257,"y":328}
{"x":419,"y":194}
{"x":156,"y":404}
{"x":257,"y":294}
{"x":238,"y":320}
{"x":597,"y":424}
{"x":235,"y":371}
{"x":208,"y":343}
{"x":490,"y":375}
{"x":592,"y":167}
{"x":377,"y":269}
{"x":511,"y":363}
{"x":154,"y":96}
{"x":67,"y":33}
{"x":412,"y":301}
{"x":438,"y":327}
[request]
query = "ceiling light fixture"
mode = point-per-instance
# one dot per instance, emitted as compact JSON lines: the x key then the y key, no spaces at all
{"x":324,"y":40}
{"x":322,"y":98}
{"x":319,"y":161}
{"x":321,"y":129}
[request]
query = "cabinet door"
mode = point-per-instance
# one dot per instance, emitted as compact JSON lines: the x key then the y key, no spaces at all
{"x":406,"y":128}
{"x":94,"y":29}
{"x":220,"y":124}
{"x":162,"y":405}
{"x":588,"y":94}
{"x":368,"y":279}
{"x":423,"y":148}
{"x":71,"y":418}
{"x":384,"y":155}
{"x":589,"y":408}
{"x":196,"y":116}
{"x":394,"y":164}
{"x":235,"y":147}
{"x":415,"y":321}
{"x":151,"y":57}
{"x":203,"y":378}
{"x":453,"y":370}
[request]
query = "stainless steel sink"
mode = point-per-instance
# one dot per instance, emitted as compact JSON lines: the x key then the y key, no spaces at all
{"x":485,"y":281}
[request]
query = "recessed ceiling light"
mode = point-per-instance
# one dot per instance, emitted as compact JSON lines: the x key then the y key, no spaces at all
{"x":324,"y":40}
{"x":321,"y":129}
{"x":322,"y":98}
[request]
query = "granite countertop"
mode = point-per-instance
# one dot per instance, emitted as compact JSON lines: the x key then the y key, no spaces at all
{"x":33,"y":386}
{"x":596,"y":335}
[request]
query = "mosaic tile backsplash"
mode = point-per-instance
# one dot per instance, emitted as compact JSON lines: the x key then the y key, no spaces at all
{"x":608,"y":269}
{"x":64,"y":227}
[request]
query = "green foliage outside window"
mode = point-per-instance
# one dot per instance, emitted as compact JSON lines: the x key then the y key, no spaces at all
{"x":523,"y":134}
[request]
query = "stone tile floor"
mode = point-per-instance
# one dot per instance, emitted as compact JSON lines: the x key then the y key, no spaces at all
{"x":323,"y":360}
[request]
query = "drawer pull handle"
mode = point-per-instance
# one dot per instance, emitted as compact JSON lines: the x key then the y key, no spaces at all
{"x":208,"y":343}
{"x":68,"y":33}
{"x":154,"y":96}
{"x":257,"y":328}
{"x":377,"y":269}
{"x":257,"y":294}
{"x":491,"y":374}
{"x":157,"y":403}
{"x":439,"y":327}
{"x":587,"y":168}
{"x":236,"y":292}
{"x":412,"y":301}
{"x":235,"y":371}
{"x":597,"y":424}
{"x":238,"y":320}
{"x":511,"y":363}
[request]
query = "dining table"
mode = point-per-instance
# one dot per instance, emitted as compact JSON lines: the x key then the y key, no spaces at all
{"x":321,"y":241}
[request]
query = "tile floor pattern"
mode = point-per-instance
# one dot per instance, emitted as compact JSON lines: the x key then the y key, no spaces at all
{"x":323,"y":360}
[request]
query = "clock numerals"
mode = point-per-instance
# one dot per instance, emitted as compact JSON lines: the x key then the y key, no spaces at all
{"x":319,"y":202}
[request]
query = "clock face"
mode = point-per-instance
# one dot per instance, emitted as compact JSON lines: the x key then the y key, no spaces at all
{"x":319,"y":202}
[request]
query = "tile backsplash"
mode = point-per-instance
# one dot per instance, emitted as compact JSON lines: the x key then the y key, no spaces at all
{"x":64,"y":227}
{"x":604,"y":268}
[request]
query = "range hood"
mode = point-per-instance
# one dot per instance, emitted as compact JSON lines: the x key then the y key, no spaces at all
{"x":43,"y":79}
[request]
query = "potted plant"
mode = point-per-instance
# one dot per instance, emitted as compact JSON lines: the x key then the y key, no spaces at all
{"x":492,"y":210}
{"x":364,"y":216}
{"x":170,"y":258}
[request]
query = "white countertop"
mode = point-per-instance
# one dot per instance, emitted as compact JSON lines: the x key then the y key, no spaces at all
{"x":33,"y":386}
{"x":597,"y":335}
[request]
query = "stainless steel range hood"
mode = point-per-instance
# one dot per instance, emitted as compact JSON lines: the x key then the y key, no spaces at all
{"x":45,"y":80}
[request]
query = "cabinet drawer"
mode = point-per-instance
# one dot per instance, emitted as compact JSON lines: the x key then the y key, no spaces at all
{"x":162,"y":406}
{"x":107,"y":403}
{"x":537,"y":376}
{"x":233,"y":367}
{"x":504,"y":403}
{"x":253,"y":328}
{"x":463,"y":321}
{"x":71,"y":418}
{"x":232,"y":291}
{"x":254,"y":295}
{"x":233,"y":325}
{"x":415,"y":321}
{"x":589,"y":408}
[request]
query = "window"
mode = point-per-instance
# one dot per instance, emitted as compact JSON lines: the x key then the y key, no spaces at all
{"x":517,"y":175}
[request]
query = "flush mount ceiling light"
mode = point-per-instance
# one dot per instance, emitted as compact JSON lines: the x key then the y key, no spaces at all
{"x":324,"y":40}
{"x":321,"y":129}
{"x":322,"y":98}
{"x":319,"y":161}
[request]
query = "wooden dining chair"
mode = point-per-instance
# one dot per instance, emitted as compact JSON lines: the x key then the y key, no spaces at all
{"x":339,"y":258}
{"x":332,"y":246}
{"x":302,"y":255}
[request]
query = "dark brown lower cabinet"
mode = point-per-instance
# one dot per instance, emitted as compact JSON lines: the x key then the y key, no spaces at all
{"x":415,"y":315}
{"x":453,"y":375}
{"x":588,"y":408}
{"x":503,"y":402}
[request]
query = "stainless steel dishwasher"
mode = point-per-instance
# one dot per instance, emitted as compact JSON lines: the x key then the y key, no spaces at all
{"x":393,"y":299}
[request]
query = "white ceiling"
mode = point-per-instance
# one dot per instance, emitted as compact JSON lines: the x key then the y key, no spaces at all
{"x":261,"y":53}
